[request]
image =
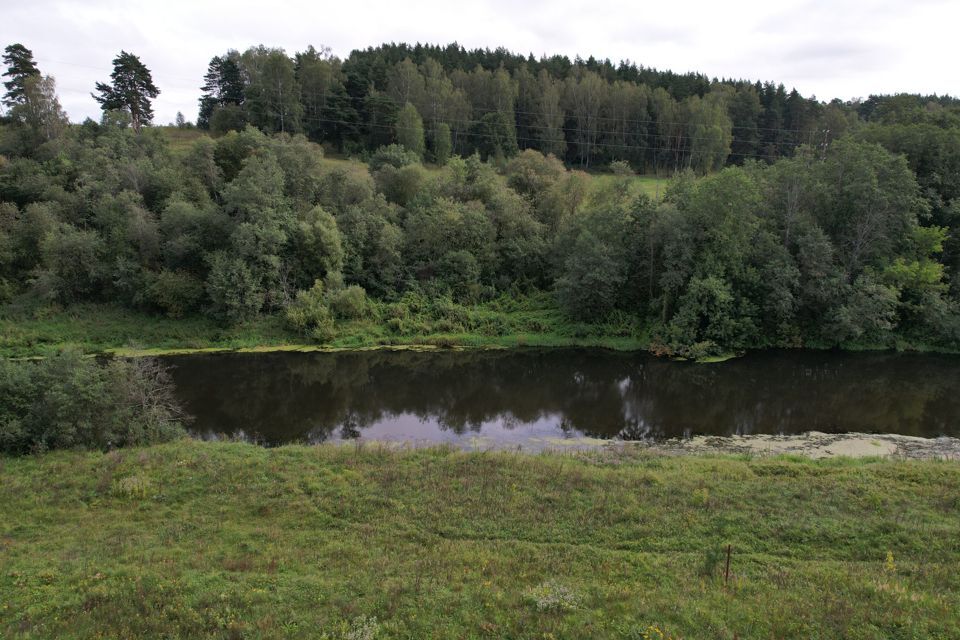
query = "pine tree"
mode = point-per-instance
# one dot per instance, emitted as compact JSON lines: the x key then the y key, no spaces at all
{"x":222,"y":86}
{"x":131,"y":90}
{"x":20,"y":67}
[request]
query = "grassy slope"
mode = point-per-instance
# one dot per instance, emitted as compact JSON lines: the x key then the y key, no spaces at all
{"x":230,"y":540}
{"x":180,"y":141}
{"x":650,"y":185}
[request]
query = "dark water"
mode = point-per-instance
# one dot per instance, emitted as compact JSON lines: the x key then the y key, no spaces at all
{"x":514,"y":396}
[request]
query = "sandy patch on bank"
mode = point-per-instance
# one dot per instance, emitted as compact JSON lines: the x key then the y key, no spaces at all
{"x":812,"y":445}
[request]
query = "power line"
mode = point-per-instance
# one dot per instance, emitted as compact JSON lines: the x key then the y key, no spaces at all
{"x":475,"y":134}
{"x":596,"y":117}
{"x":598,"y":132}
{"x":684,"y":141}
{"x":478,"y":110}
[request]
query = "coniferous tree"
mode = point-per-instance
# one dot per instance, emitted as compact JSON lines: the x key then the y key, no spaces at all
{"x":222,"y":86}
{"x":131,"y":90}
{"x":20,"y":67}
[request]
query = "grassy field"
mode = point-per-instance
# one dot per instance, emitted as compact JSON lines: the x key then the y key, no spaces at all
{"x":651,"y":185}
{"x":96,"y":329}
{"x":180,"y":140}
{"x":230,"y":540}
{"x":533,"y":321}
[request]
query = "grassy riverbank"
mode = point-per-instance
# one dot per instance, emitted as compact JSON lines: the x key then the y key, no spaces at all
{"x":230,"y":540}
{"x":533,"y":321}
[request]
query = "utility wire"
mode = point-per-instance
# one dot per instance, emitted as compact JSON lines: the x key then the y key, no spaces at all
{"x":475,"y":134}
{"x":476,"y":109}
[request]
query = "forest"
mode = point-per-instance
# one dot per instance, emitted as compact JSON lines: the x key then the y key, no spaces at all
{"x":384,"y":206}
{"x":488,"y":177}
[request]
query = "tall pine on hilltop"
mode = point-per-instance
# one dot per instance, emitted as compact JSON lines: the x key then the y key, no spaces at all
{"x":20,"y":67}
{"x":131,"y":90}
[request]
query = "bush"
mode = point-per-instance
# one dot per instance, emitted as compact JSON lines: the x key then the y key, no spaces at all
{"x":401,"y":185}
{"x":176,"y":292}
{"x":349,"y":303}
{"x":235,"y":292}
{"x":531,"y":173}
{"x":309,"y":315}
{"x":394,"y":155}
{"x":621,"y":168}
{"x":68,"y":401}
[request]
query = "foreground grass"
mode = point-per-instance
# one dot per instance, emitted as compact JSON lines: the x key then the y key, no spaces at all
{"x":230,"y":540}
{"x":105,"y":328}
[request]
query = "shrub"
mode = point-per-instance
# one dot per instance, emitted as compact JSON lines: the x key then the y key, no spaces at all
{"x":176,"y":292}
{"x":401,"y":185}
{"x":349,"y":303}
{"x":394,"y":155}
{"x":310,"y":316}
{"x":235,"y":292}
{"x":532,"y":173}
{"x":68,"y":401}
{"x":621,"y":168}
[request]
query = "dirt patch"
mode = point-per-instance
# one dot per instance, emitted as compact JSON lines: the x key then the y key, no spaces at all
{"x":813,"y":445}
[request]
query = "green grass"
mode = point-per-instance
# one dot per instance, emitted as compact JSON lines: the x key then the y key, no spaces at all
{"x":100,"y":328}
{"x":180,"y":141}
{"x":230,"y":540}
{"x":533,"y":321}
{"x":651,"y":185}
{"x":331,"y":162}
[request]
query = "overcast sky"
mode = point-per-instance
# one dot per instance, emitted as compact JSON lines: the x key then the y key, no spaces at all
{"x":828,"y":48}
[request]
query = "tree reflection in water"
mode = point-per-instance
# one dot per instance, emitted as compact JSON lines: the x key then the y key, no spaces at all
{"x":513,"y":395}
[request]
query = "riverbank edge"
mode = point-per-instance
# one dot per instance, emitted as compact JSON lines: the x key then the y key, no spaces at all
{"x":428,"y":343}
{"x":414,"y":345}
{"x":107,"y":330}
{"x":812,"y":445}
{"x":442,"y":342}
{"x":502,"y":343}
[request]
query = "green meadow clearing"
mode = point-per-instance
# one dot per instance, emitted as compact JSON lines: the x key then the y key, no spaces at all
{"x":230,"y":540}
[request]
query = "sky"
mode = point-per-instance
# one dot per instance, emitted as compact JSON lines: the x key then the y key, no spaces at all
{"x":828,"y":48}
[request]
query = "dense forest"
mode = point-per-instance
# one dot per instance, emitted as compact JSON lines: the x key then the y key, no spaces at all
{"x":788,"y":222}
{"x":587,"y":113}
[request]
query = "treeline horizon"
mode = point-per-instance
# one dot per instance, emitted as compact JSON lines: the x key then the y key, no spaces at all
{"x":851,"y":241}
{"x":587,"y":112}
{"x":496,"y":103}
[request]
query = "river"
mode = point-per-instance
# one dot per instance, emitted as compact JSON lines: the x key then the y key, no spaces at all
{"x":501,"y":398}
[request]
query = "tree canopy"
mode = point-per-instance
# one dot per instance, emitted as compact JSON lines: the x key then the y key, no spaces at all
{"x":131,"y":89}
{"x":773,"y":231}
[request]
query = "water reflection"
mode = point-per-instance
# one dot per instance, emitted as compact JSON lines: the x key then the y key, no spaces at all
{"x":515,"y":395}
